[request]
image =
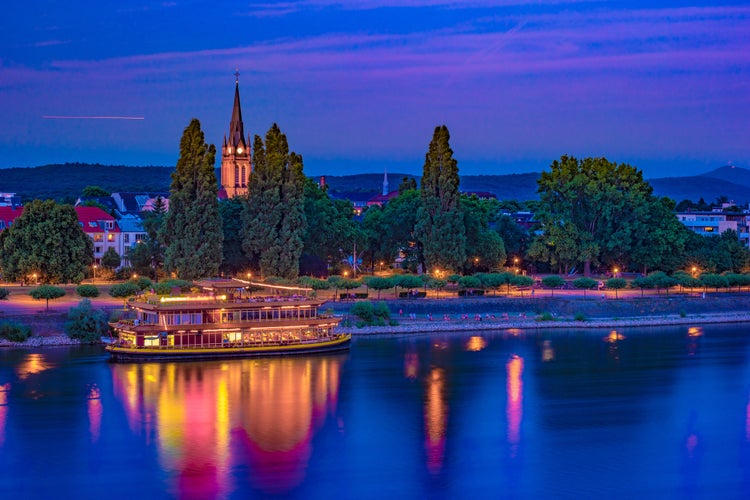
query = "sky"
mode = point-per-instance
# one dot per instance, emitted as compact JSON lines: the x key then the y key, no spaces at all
{"x":359,"y":85}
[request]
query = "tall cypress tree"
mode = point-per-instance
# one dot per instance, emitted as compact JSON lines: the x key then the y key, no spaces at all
{"x":274,"y":222}
{"x":440,"y":225}
{"x":192,"y":231}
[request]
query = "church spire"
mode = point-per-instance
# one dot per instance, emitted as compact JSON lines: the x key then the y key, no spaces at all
{"x":236,"y":127}
{"x":385,"y":182}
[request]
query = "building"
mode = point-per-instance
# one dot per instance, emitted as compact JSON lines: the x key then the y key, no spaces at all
{"x":10,"y":200}
{"x":715,"y":222}
{"x":9,"y":214}
{"x":235,"y":153}
{"x":131,"y":233}
{"x":102,"y":228}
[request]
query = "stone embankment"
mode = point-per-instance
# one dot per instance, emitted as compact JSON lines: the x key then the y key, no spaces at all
{"x":409,"y":326}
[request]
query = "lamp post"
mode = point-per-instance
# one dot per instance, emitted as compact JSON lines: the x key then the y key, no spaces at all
{"x":35,"y":281}
{"x":94,"y":280}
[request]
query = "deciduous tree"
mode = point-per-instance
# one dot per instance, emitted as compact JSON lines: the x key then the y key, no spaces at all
{"x":46,"y":240}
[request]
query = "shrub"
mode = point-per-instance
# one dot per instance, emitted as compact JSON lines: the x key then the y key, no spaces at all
{"x":143,"y":283}
{"x":14,"y":332}
{"x":165,"y":287}
{"x":364,"y":310}
{"x":87,"y":291}
{"x":47,"y":292}
{"x":4,"y":292}
{"x":85,"y":323}
{"x":545,"y":316}
{"x":579,"y":316}
{"x":682,"y":313}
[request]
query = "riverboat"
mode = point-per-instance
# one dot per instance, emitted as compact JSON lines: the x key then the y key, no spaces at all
{"x":224,"y":319}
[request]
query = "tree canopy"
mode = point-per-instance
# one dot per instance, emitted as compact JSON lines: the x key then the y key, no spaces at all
{"x":440,"y":223}
{"x":192,"y":230}
{"x":46,"y":240}
{"x":274,"y":222}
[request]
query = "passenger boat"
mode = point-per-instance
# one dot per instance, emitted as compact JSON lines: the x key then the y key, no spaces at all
{"x":223,"y":320}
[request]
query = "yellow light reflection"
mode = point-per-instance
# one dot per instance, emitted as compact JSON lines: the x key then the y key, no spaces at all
{"x":203,"y":415}
{"x":476,"y":343}
{"x":33,"y":364}
{"x":95,"y":412}
{"x":411,"y":365}
{"x":548,"y":353}
{"x":514,"y":408}
{"x":695,"y":331}
{"x":614,"y":336}
{"x":436,"y":420}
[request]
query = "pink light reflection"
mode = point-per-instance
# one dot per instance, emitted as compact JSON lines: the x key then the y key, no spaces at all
{"x":514,"y":411}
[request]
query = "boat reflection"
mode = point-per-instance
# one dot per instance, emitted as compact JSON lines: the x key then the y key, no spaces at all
{"x":207,"y":417}
{"x":514,"y":407}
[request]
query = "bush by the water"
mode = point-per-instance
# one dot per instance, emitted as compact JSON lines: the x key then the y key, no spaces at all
{"x":86,"y":323}
{"x":4,"y":292}
{"x":15,"y":332}
{"x":371,"y":314}
{"x":545,"y":316}
{"x":87,"y":291}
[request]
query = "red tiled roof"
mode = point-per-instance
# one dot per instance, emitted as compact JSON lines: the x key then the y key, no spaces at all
{"x":89,"y":217}
{"x":9,"y":214}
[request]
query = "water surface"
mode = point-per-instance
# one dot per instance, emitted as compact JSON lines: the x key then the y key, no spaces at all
{"x":634,"y":413}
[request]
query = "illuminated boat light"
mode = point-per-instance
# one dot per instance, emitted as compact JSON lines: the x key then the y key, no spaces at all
{"x":202,"y":298}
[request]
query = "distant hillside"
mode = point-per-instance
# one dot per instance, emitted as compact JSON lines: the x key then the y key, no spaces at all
{"x":65,"y":182}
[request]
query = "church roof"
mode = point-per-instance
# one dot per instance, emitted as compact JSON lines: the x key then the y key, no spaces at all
{"x":236,"y":127}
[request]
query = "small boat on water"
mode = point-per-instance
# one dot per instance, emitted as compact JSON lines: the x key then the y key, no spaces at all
{"x":224,"y":320}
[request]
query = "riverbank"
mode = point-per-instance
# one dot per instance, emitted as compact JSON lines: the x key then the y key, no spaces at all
{"x":486,"y":313}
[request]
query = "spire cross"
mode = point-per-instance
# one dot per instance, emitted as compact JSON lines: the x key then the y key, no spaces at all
{"x":236,"y":75}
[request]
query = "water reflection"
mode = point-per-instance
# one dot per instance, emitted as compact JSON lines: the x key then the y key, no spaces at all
{"x":514,"y":409}
{"x":4,"y":390}
{"x":95,"y":412}
{"x":33,"y":363}
{"x":208,"y":417}
{"x":436,"y":419}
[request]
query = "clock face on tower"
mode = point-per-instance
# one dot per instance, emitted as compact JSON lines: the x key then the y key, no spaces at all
{"x":239,"y":150}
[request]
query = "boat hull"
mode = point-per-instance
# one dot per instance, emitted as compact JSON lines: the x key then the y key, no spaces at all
{"x":124,"y":353}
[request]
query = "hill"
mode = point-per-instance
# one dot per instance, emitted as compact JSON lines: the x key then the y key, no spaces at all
{"x":66,"y":181}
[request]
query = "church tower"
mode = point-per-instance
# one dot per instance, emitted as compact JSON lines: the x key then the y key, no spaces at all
{"x":235,"y":152}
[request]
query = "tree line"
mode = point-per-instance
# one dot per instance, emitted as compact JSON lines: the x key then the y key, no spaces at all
{"x":592,"y":216}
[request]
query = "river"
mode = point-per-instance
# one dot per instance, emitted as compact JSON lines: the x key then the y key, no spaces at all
{"x":509,"y":414}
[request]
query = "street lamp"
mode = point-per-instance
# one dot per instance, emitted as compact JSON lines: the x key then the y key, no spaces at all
{"x":615,"y":271}
{"x":695,"y":270}
{"x":94,"y":281}
{"x":35,"y":281}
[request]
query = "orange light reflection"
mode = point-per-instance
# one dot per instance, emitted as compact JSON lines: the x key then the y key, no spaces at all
{"x":475,"y":344}
{"x":34,"y":363}
{"x":436,"y":420}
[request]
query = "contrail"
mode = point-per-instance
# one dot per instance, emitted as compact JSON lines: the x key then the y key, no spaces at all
{"x":60,"y":117}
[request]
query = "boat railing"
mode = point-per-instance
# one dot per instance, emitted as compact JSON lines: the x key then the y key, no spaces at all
{"x":232,"y":344}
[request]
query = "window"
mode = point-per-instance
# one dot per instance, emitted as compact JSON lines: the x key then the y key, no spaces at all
{"x":2,"y":224}
{"x":98,"y":237}
{"x":93,"y":224}
{"x":236,"y":176}
{"x":126,"y":238}
{"x":110,"y":237}
{"x":244,"y":177}
{"x":109,"y":224}
{"x":97,"y":249}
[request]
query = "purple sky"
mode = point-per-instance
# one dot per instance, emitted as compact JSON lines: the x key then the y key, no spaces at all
{"x":359,"y":86}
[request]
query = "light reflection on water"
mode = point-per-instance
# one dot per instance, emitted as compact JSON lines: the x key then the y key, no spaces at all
{"x":641,"y":413}
{"x":209,"y":416}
